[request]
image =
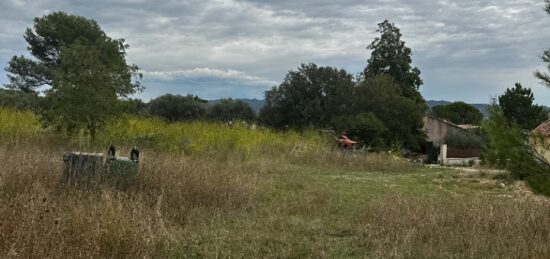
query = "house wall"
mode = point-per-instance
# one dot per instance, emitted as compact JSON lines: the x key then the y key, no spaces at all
{"x":542,"y":146}
{"x":436,"y":130}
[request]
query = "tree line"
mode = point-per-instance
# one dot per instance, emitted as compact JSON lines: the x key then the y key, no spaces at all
{"x":85,"y":80}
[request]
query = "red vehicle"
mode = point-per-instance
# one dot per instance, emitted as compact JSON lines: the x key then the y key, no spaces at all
{"x":345,"y":142}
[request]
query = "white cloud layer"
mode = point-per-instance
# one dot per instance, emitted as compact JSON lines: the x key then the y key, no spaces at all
{"x":466,"y":50}
{"x":198,"y":73}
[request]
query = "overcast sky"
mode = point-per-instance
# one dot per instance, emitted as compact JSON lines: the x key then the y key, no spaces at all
{"x":466,"y":50}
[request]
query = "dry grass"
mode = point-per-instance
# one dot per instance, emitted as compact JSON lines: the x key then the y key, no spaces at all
{"x":452,"y":227}
{"x":39,"y":216}
{"x":336,"y":158}
{"x":317,"y":204}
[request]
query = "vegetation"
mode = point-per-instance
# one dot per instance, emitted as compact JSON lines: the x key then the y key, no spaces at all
{"x":85,"y":68}
{"x":228,"y":110}
{"x":215,"y":189}
{"x":325,"y":97}
{"x":177,"y":107}
{"x":510,"y":148}
{"x":511,"y":144}
{"x":458,"y":113}
{"x":276,"y":203}
{"x":391,"y":57}
{"x":518,"y":107}
{"x":19,"y":100}
{"x":466,"y":139}
{"x":382,"y":96}
{"x":311,"y":96}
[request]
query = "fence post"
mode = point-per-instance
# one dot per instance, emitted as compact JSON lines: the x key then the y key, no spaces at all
{"x":443,"y":153}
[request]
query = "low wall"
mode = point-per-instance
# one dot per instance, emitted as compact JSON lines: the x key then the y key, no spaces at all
{"x":460,"y":157}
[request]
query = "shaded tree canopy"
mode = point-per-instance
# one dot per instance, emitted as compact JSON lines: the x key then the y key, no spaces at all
{"x":308,"y":97}
{"x":458,"y":113}
{"x":391,"y":57}
{"x":19,"y":100}
{"x":53,"y":33}
{"x":83,"y":93}
{"x":518,"y":107}
{"x":178,"y":108}
{"x":363,"y":127}
{"x":229,"y":110}
{"x":401,"y":116}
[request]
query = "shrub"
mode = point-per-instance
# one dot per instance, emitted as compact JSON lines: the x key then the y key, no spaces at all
{"x":464,"y":139}
{"x":509,"y":148}
{"x":364,"y":127}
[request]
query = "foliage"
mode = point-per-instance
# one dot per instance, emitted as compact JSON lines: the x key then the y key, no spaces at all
{"x":57,"y":31}
{"x":229,"y":110}
{"x":200,"y":137}
{"x":509,"y":148}
{"x":401,"y":116}
{"x":391,"y":57}
{"x":85,"y":68}
{"x":310,"y":96}
{"x":84,"y":93}
{"x":389,"y":89}
{"x":458,"y":113}
{"x":17,"y":124}
{"x":134,"y":106}
{"x":363,"y":127}
{"x":19,"y":100}
{"x":465,"y":139}
{"x":178,"y":108}
{"x":517,"y":105}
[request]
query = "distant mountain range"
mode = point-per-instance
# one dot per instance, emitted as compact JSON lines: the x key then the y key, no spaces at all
{"x":257,"y":104}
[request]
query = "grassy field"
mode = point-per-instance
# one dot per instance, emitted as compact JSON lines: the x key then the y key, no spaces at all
{"x":274,"y":203}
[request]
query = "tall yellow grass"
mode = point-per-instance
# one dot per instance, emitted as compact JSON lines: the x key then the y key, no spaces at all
{"x":15,"y":124}
{"x":191,"y":138}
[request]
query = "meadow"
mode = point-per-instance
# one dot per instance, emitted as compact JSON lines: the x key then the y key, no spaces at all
{"x":211,"y":190}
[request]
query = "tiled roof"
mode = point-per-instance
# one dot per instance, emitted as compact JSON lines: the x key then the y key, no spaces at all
{"x":543,"y":129}
{"x":468,"y":126}
{"x":444,"y":121}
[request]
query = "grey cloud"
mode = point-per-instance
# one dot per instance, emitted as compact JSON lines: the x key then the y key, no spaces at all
{"x":481,"y":45}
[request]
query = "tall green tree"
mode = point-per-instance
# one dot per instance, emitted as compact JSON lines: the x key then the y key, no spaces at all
{"x":310,"y":96}
{"x":53,"y":33}
{"x":229,"y":110}
{"x":86,"y":71}
{"x":84,"y":93}
{"x":518,"y":107}
{"x":401,"y":116}
{"x":178,"y":108}
{"x":458,"y":112}
{"x":390,"y":56}
{"x":390,"y":88}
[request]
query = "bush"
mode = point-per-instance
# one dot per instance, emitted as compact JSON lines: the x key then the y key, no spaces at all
{"x":229,"y":110}
{"x":465,"y":139}
{"x":363,"y":127}
{"x":509,"y":148}
{"x":178,"y":108}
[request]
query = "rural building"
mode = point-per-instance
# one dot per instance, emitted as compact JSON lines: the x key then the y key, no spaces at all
{"x":541,"y":139}
{"x":436,"y":129}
